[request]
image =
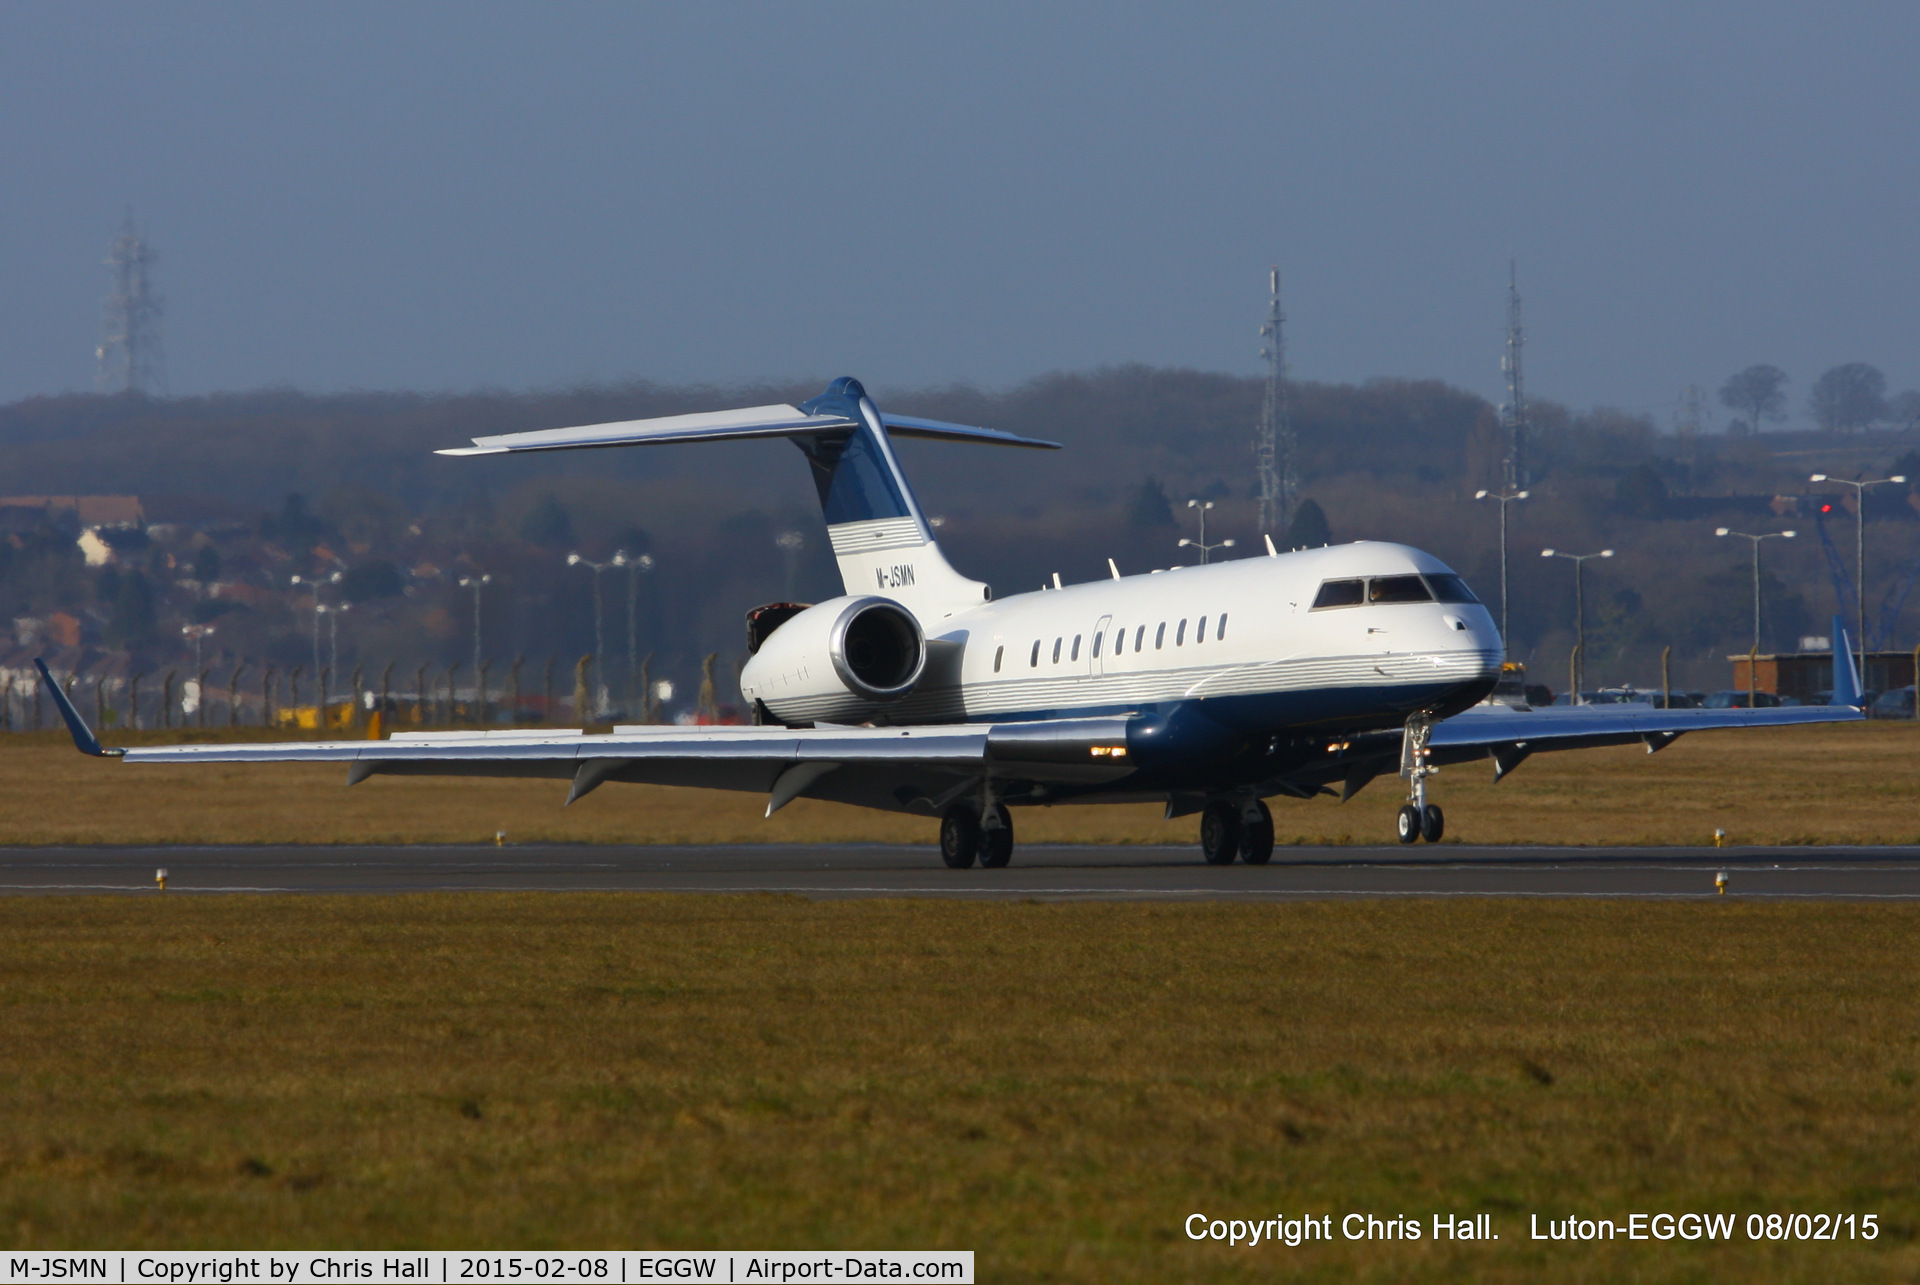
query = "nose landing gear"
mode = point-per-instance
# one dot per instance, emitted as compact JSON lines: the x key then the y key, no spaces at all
{"x":1418,"y":819}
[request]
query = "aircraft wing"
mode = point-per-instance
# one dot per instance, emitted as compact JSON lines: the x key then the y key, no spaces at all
{"x":1509,"y":735}
{"x":898,"y":768}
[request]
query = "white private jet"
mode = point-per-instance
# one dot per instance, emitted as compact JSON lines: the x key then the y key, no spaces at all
{"x":1208,"y":688}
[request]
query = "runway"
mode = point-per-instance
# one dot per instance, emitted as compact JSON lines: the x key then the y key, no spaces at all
{"x":1039,"y":872}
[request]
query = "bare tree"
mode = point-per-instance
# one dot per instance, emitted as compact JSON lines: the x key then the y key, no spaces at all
{"x":1759,"y":393}
{"x":1904,"y":408}
{"x":1849,"y":398}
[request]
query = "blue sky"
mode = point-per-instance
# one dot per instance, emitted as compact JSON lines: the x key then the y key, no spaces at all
{"x":436,"y":196}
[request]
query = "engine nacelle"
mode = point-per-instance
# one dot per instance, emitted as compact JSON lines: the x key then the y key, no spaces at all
{"x":841,"y":661}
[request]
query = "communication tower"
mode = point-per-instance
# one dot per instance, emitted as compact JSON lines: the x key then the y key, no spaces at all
{"x":130,"y":357}
{"x":1273,"y":445}
{"x":1690,"y":412}
{"x":1513,"y":415}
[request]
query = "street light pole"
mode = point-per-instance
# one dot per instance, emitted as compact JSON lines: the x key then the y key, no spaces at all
{"x":1579,"y":561}
{"x":476,"y":583}
{"x":790,"y":543}
{"x":1860,"y":553}
{"x":1769,"y":535}
{"x":1505,"y":498}
{"x":1201,"y":544}
{"x":599,"y":630}
{"x":634,"y":566}
{"x":318,"y":611}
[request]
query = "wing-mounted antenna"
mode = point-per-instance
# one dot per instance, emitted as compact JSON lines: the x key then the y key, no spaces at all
{"x":880,"y":537}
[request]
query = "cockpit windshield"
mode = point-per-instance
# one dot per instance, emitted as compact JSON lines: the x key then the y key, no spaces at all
{"x":1389,"y":589}
{"x":1398,"y":589}
{"x":1450,"y":589}
{"x":1340,"y":593}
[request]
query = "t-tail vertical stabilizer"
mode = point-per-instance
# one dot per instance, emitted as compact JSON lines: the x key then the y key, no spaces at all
{"x":881,"y":539}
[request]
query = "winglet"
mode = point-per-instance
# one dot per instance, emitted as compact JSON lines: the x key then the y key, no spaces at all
{"x":1846,"y":679}
{"x":83,"y":737}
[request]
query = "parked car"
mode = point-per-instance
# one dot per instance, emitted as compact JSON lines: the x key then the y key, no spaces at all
{"x":1738,"y":700}
{"x":1897,"y":703}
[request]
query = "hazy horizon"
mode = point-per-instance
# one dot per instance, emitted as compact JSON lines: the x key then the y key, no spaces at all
{"x":446,"y":198}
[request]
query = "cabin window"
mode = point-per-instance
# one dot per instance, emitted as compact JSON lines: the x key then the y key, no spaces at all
{"x":1340,"y":593}
{"x":1096,"y":645}
{"x":1056,"y":650}
{"x":1160,"y":636}
{"x":1220,"y":630}
{"x":1398,"y":589}
{"x":1180,"y":635}
{"x":1139,"y":637}
{"x":1076,"y":648}
{"x":1450,"y":589}
{"x":1200,"y":634}
{"x":1034,"y":661}
{"x":998,"y":652}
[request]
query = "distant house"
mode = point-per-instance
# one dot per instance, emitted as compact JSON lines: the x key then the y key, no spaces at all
{"x":92,"y":510}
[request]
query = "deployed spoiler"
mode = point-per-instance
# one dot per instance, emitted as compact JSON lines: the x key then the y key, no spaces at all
{"x":750,"y":421}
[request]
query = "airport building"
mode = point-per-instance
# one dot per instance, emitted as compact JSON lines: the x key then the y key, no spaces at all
{"x":1805,"y":674}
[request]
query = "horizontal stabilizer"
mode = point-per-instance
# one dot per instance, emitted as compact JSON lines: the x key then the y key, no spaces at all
{"x":938,"y":430}
{"x":750,"y":421}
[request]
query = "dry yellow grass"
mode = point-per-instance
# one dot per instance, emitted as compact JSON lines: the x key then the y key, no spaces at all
{"x":1056,"y":1086}
{"x":1855,"y":783}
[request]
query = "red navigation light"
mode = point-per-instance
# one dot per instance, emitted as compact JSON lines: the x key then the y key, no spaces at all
{"x":1826,"y":508}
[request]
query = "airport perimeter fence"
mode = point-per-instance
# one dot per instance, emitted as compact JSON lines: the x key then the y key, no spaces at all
{"x":366,"y":701}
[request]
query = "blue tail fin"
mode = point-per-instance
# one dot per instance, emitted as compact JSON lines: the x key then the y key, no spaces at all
{"x":1846,"y":679}
{"x":880,"y":537}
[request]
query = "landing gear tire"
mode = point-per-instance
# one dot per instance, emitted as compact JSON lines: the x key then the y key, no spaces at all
{"x":1407,"y":825}
{"x":1220,"y":833}
{"x":1256,"y":837}
{"x":1433,"y":823}
{"x":959,"y":838}
{"x":996,"y":844}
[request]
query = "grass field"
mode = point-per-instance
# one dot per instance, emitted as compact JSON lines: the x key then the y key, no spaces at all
{"x":1056,"y":1086}
{"x":1853,"y":783}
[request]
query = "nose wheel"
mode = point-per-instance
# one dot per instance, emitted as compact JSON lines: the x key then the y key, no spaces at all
{"x":1418,"y":822}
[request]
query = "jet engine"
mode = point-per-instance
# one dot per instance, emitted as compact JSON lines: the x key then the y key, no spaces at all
{"x":844,"y":660}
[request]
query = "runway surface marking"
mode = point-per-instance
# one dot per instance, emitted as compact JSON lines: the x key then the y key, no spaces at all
{"x":1039,"y":872}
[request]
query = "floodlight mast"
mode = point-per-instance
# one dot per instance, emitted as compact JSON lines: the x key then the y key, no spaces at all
{"x":1860,"y":553}
{"x":1505,"y":498}
{"x":1756,"y":539}
{"x":1200,"y":544}
{"x":1579,"y":561}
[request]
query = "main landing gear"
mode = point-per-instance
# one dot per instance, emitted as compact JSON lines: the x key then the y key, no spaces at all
{"x":1230,"y":829}
{"x":967,"y":833}
{"x":1418,"y":818}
